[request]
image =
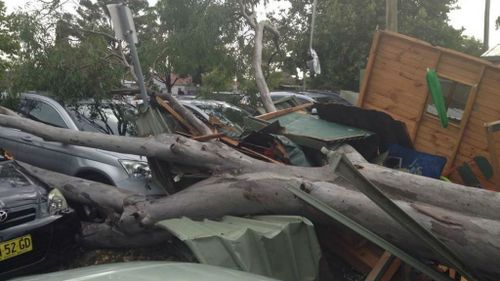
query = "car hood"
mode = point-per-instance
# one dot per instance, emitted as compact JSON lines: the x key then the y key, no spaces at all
{"x":16,"y":188}
{"x":150,"y":271}
{"x":119,"y":155}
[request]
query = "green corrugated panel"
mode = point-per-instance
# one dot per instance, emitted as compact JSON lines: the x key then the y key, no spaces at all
{"x":152,"y":122}
{"x":309,"y":131}
{"x":301,"y":124}
{"x":282,"y":247}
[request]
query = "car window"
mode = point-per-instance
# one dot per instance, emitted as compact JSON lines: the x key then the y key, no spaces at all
{"x":107,"y":118}
{"x":225,"y":113}
{"x":41,"y":112}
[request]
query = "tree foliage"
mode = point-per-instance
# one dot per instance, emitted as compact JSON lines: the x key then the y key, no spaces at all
{"x":9,"y":44}
{"x":74,"y":55}
{"x":195,"y":37}
{"x":344,"y":30}
{"x":71,"y":55}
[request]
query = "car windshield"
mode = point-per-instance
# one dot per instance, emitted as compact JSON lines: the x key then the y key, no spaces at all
{"x":231,"y":115}
{"x":10,"y":175}
{"x":108,"y":118}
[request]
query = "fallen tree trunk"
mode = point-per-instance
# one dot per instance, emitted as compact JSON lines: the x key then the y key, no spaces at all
{"x":259,"y":27}
{"x":184,"y":112}
{"x":465,"y":219}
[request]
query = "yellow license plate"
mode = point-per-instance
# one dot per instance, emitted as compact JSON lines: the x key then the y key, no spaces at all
{"x":15,"y":247}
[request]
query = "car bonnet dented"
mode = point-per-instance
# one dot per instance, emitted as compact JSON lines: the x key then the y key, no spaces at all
{"x":16,"y":188}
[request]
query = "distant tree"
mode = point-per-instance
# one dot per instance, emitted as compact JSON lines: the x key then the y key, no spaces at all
{"x":194,"y":39}
{"x":71,"y":55}
{"x":344,"y":31}
{"x":9,"y":45}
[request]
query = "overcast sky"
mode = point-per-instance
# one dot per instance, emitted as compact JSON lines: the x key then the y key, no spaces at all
{"x":470,"y":16}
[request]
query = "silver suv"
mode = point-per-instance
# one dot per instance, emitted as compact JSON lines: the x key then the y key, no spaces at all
{"x":130,"y":172}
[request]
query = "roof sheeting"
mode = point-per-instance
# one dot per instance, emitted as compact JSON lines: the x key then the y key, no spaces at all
{"x":283,"y":247}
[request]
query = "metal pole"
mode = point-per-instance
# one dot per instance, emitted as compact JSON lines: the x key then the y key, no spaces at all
{"x":313,"y":20}
{"x":311,"y":37}
{"x":127,"y":29}
{"x":486,"y":40}
{"x":137,"y":68}
{"x":391,"y":15}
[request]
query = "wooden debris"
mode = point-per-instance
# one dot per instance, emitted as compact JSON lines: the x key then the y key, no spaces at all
{"x":278,"y":113}
{"x":394,"y":83}
{"x":177,"y":116}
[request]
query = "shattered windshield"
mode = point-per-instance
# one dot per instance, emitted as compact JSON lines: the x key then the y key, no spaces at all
{"x":9,"y":174}
{"x":108,"y":118}
{"x":227,"y":118}
{"x":230,"y":115}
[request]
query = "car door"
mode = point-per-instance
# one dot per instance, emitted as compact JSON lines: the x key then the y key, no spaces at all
{"x":9,"y":139}
{"x":36,"y":151}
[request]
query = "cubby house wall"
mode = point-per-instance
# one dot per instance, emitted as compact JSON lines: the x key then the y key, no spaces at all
{"x":395,"y":83}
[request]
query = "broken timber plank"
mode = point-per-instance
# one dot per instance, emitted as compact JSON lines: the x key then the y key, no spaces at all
{"x":176,"y":115}
{"x":208,"y":137}
{"x":278,"y":113}
{"x":385,"y":268}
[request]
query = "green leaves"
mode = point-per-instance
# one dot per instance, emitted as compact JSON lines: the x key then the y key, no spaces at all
{"x":70,"y":55}
{"x":9,"y":44}
{"x":344,"y":31}
{"x":193,"y":36}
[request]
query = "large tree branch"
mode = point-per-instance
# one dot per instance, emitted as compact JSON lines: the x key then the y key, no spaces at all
{"x":474,"y":235}
{"x":259,"y":28}
{"x":6,"y":111}
{"x":465,"y":219}
{"x":169,"y":147}
{"x":260,"y":79}
{"x":251,"y":17}
{"x":186,"y":113}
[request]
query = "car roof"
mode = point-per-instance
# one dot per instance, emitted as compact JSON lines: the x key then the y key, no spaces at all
{"x":43,"y":96}
{"x":196,"y":102}
{"x":290,"y":94}
{"x":132,"y":271}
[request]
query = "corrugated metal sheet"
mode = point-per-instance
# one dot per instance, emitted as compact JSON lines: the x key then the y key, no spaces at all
{"x":282,"y":247}
{"x":152,"y":122}
{"x":301,"y":124}
{"x":310,"y":131}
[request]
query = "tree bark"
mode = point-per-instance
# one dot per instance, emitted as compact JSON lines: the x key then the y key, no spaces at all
{"x":466,"y":219}
{"x":260,"y":79}
{"x":187,"y":114}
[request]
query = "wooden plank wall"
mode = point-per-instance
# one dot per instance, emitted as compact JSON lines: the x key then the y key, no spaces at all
{"x":394,"y":83}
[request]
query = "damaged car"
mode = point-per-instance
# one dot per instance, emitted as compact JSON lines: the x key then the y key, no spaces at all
{"x":126,"y":171}
{"x":37,"y":227}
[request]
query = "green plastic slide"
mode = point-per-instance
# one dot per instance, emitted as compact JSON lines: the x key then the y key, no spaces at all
{"x":437,"y":96}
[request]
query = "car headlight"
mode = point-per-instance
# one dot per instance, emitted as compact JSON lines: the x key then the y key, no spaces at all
{"x":136,"y":169}
{"x":57,"y":202}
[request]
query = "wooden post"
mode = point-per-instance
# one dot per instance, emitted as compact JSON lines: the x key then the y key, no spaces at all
{"x":486,"y":39}
{"x":368,"y":69}
{"x":491,"y":128}
{"x":391,"y":15}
